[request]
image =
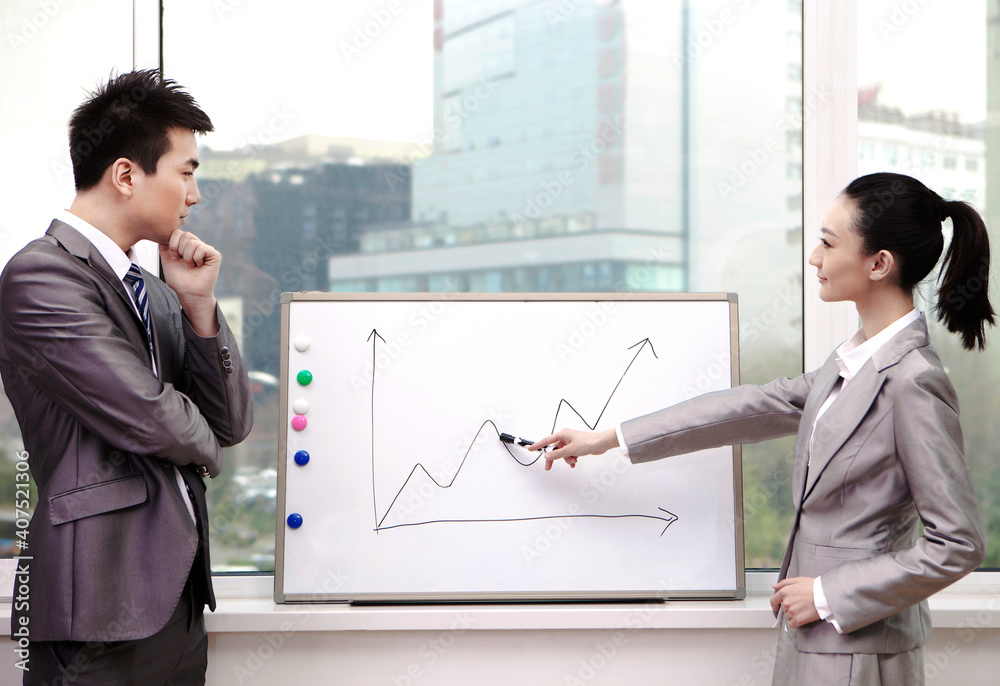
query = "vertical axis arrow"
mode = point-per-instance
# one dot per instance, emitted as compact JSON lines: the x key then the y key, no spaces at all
{"x":371,"y":337}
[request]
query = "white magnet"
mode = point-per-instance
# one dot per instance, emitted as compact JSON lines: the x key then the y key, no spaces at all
{"x":301,"y":406}
{"x":302,"y":343}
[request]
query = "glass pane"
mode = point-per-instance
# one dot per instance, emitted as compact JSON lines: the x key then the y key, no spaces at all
{"x":41,"y":88}
{"x":925,"y":113}
{"x":509,"y":145}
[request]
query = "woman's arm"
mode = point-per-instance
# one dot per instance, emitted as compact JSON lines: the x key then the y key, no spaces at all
{"x":745,"y":414}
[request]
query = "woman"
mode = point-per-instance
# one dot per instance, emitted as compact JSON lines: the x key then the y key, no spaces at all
{"x":879,"y":443}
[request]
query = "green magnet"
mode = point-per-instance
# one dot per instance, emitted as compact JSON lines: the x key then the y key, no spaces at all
{"x":304,"y":377}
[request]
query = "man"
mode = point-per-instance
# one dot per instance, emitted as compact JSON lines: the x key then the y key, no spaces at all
{"x":125,"y":389}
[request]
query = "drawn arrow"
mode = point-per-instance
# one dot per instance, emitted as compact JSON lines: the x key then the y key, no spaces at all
{"x":641,"y":344}
{"x":371,"y":337}
{"x":670,"y":518}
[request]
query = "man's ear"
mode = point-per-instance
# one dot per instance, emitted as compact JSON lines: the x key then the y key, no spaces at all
{"x":123,"y":173}
{"x":883,"y":266}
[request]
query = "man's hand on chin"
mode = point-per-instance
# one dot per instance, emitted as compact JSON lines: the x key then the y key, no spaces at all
{"x":191,"y":268}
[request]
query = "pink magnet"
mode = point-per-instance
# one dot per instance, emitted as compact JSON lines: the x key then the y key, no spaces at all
{"x":298,"y":422}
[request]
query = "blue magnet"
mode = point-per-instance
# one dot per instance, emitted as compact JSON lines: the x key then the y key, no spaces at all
{"x":301,"y":458}
{"x":295,"y":520}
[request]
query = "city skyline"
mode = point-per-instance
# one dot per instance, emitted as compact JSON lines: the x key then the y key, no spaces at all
{"x":885,"y":30}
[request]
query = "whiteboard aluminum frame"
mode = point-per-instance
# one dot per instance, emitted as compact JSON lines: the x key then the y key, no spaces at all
{"x":739,"y":593}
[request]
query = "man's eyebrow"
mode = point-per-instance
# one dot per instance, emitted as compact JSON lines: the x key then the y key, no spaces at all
{"x":193,"y":162}
{"x":826,"y":230}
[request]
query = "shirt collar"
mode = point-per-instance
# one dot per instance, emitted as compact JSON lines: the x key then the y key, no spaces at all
{"x":119,"y":261}
{"x":857,"y":350}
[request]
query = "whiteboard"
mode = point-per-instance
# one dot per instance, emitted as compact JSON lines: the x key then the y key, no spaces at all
{"x":409,"y":495}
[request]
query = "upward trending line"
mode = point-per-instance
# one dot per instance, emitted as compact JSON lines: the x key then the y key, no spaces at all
{"x":378,"y":522}
{"x":402,"y":488}
{"x":555,"y":421}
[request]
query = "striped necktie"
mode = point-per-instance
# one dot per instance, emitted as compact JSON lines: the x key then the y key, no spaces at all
{"x":134,"y":279}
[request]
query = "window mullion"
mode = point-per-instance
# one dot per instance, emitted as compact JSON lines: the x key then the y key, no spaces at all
{"x":830,"y":154}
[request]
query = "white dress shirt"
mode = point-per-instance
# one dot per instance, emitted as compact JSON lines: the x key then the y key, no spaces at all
{"x":119,"y":261}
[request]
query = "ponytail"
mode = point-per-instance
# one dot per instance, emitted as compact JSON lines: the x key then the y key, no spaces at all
{"x":963,"y":297}
{"x":897,"y":213}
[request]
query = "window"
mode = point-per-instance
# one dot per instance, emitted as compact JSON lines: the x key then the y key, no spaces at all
{"x":947,"y":120}
{"x":345,"y":187}
{"x":39,"y":94}
{"x":597,"y":155}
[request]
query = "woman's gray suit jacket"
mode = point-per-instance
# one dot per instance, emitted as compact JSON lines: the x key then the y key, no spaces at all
{"x":886,"y":456}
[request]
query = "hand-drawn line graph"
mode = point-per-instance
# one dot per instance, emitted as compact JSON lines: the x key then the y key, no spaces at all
{"x":667,"y":516}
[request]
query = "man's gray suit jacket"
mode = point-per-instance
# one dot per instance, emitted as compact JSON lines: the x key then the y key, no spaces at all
{"x":886,"y":455}
{"x":111,"y":538}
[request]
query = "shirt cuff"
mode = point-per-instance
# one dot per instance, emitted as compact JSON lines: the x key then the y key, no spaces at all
{"x":822,"y":606}
{"x":621,"y":441}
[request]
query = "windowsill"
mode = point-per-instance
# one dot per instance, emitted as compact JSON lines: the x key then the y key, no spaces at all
{"x":246,"y":605}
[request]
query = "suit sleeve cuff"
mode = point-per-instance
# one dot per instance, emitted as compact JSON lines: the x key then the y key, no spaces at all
{"x":822,"y":606}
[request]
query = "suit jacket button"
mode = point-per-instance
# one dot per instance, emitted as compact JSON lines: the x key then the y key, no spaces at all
{"x":229,"y":370}
{"x":224,"y":351}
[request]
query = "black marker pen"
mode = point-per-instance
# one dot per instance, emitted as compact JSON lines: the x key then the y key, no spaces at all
{"x":507,"y":438}
{"x":523,"y":442}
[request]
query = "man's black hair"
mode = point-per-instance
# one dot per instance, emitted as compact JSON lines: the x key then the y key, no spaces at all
{"x":130,"y":117}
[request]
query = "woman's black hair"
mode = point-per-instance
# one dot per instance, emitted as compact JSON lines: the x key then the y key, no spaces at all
{"x":899,"y":214}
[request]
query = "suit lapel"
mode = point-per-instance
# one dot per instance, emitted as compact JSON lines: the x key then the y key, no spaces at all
{"x":826,"y":377}
{"x":840,"y":421}
{"x":77,"y":244}
{"x":849,"y":409}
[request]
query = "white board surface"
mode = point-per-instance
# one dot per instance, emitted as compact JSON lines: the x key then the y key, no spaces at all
{"x":409,"y":494}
